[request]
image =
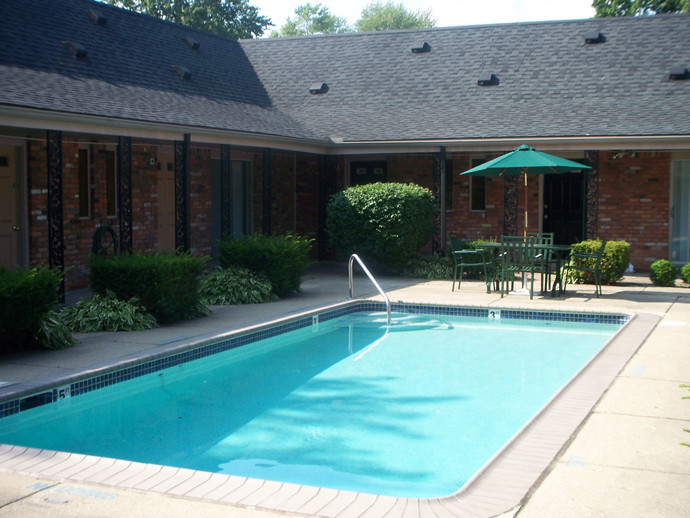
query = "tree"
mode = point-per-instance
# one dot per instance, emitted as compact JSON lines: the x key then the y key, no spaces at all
{"x":379,"y":16}
{"x":312,"y":19}
{"x":605,"y":8}
{"x":232,"y":18}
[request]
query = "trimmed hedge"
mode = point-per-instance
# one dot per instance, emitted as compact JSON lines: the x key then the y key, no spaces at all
{"x":26,"y":297}
{"x":167,"y":285}
{"x":281,"y":259}
{"x":663,"y":272}
{"x":685,"y":273}
{"x":614,"y":262}
{"x":385,"y":223}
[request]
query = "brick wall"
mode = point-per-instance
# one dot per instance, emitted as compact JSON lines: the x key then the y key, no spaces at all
{"x":471,"y":225}
{"x":633,"y":199}
{"x":634,"y":203}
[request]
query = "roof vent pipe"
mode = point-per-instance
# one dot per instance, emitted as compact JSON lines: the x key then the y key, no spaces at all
{"x":183,"y":72}
{"x":77,"y":50}
{"x":318,"y":88}
{"x":421,"y":49}
{"x":594,"y":37}
{"x":678,"y":74}
{"x":193,"y":44}
{"x":96,"y":17}
{"x":487,"y":79}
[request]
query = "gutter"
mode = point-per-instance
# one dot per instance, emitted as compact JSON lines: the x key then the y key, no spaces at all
{"x":32,"y":118}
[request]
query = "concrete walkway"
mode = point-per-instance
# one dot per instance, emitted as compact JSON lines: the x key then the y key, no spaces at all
{"x":625,"y":460}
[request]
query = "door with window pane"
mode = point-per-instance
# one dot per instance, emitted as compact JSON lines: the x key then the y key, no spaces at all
{"x":680,"y":211}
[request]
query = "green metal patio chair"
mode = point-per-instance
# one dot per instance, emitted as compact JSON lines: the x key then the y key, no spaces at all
{"x":585,"y":262}
{"x":517,"y":256}
{"x":469,"y":258}
{"x":543,"y":258}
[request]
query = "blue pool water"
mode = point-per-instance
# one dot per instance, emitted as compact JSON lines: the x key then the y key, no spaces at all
{"x":409,"y":411}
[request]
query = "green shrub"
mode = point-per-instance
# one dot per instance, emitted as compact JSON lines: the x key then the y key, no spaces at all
{"x":107,"y":313}
{"x":663,"y":272}
{"x":234,"y":285}
{"x":281,"y":259}
{"x":614,"y":262}
{"x":473,"y":272}
{"x":434,"y":267}
{"x":167,"y":285}
{"x":53,"y":333}
{"x":385,"y":223}
{"x":685,"y":273}
{"x":25,"y":298}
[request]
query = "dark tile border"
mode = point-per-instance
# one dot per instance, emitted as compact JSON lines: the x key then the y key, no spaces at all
{"x":239,"y":339}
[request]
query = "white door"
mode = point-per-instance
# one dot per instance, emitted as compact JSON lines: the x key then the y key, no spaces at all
{"x":680,"y":212}
{"x":9,"y":218}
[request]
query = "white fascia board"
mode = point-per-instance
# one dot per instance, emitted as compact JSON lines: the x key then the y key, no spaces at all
{"x":75,"y":123}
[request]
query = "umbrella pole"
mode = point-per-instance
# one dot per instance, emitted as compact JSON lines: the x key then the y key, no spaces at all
{"x":524,"y":172}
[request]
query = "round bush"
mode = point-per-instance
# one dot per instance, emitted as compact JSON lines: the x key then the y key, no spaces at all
{"x":663,"y":273}
{"x":613,"y":263}
{"x":685,"y":273}
{"x":385,"y":223}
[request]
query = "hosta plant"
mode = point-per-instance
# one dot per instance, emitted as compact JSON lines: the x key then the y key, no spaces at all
{"x":107,"y":313}
{"x":234,"y":285}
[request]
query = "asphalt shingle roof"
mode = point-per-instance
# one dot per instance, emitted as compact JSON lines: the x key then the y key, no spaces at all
{"x":550,"y":83}
{"x":128,"y":72}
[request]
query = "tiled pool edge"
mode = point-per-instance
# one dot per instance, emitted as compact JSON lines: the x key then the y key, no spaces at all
{"x":496,"y":490}
{"x":75,"y":385}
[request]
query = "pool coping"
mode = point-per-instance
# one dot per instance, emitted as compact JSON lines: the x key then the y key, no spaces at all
{"x":499,"y":486}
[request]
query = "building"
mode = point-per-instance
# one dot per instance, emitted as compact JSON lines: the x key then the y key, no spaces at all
{"x":174,"y":137}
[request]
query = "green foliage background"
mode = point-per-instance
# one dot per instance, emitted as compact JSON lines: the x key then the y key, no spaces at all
{"x":26,"y":297}
{"x":281,"y":259}
{"x":167,"y":285}
{"x":385,"y":223}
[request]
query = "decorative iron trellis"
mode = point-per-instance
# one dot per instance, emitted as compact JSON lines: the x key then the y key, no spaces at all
{"x":56,"y":242}
{"x":437,"y":240}
{"x":592,"y":195}
{"x":124,"y":192}
{"x":266,"y":191}
{"x":225,"y":190}
{"x":510,"y":206}
{"x":328,"y":167}
{"x":182,"y":151}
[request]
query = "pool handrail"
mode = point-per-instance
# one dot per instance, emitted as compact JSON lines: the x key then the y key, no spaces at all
{"x":371,"y":278}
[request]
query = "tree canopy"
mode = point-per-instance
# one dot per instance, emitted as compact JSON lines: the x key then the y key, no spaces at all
{"x":606,"y":8}
{"x":312,"y":19}
{"x":380,"y":16}
{"x":232,"y":18}
{"x":376,"y":16}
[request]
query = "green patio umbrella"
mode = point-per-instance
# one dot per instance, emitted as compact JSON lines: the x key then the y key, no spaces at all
{"x":525,"y":160}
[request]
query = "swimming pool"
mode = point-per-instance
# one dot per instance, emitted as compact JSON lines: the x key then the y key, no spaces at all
{"x":335,"y":400}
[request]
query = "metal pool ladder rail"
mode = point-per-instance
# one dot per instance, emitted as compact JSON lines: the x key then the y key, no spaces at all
{"x":371,"y":278}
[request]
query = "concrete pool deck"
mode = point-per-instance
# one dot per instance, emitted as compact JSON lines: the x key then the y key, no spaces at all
{"x":623,"y":459}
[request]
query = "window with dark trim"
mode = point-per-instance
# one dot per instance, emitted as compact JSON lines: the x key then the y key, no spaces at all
{"x":84,"y":171}
{"x":477,"y":188}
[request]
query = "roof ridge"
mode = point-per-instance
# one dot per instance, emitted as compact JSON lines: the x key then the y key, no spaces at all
{"x":611,"y":19}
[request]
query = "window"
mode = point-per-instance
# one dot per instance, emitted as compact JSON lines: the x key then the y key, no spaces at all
{"x":477,"y":189}
{"x":110,"y":184}
{"x":84,"y":171}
